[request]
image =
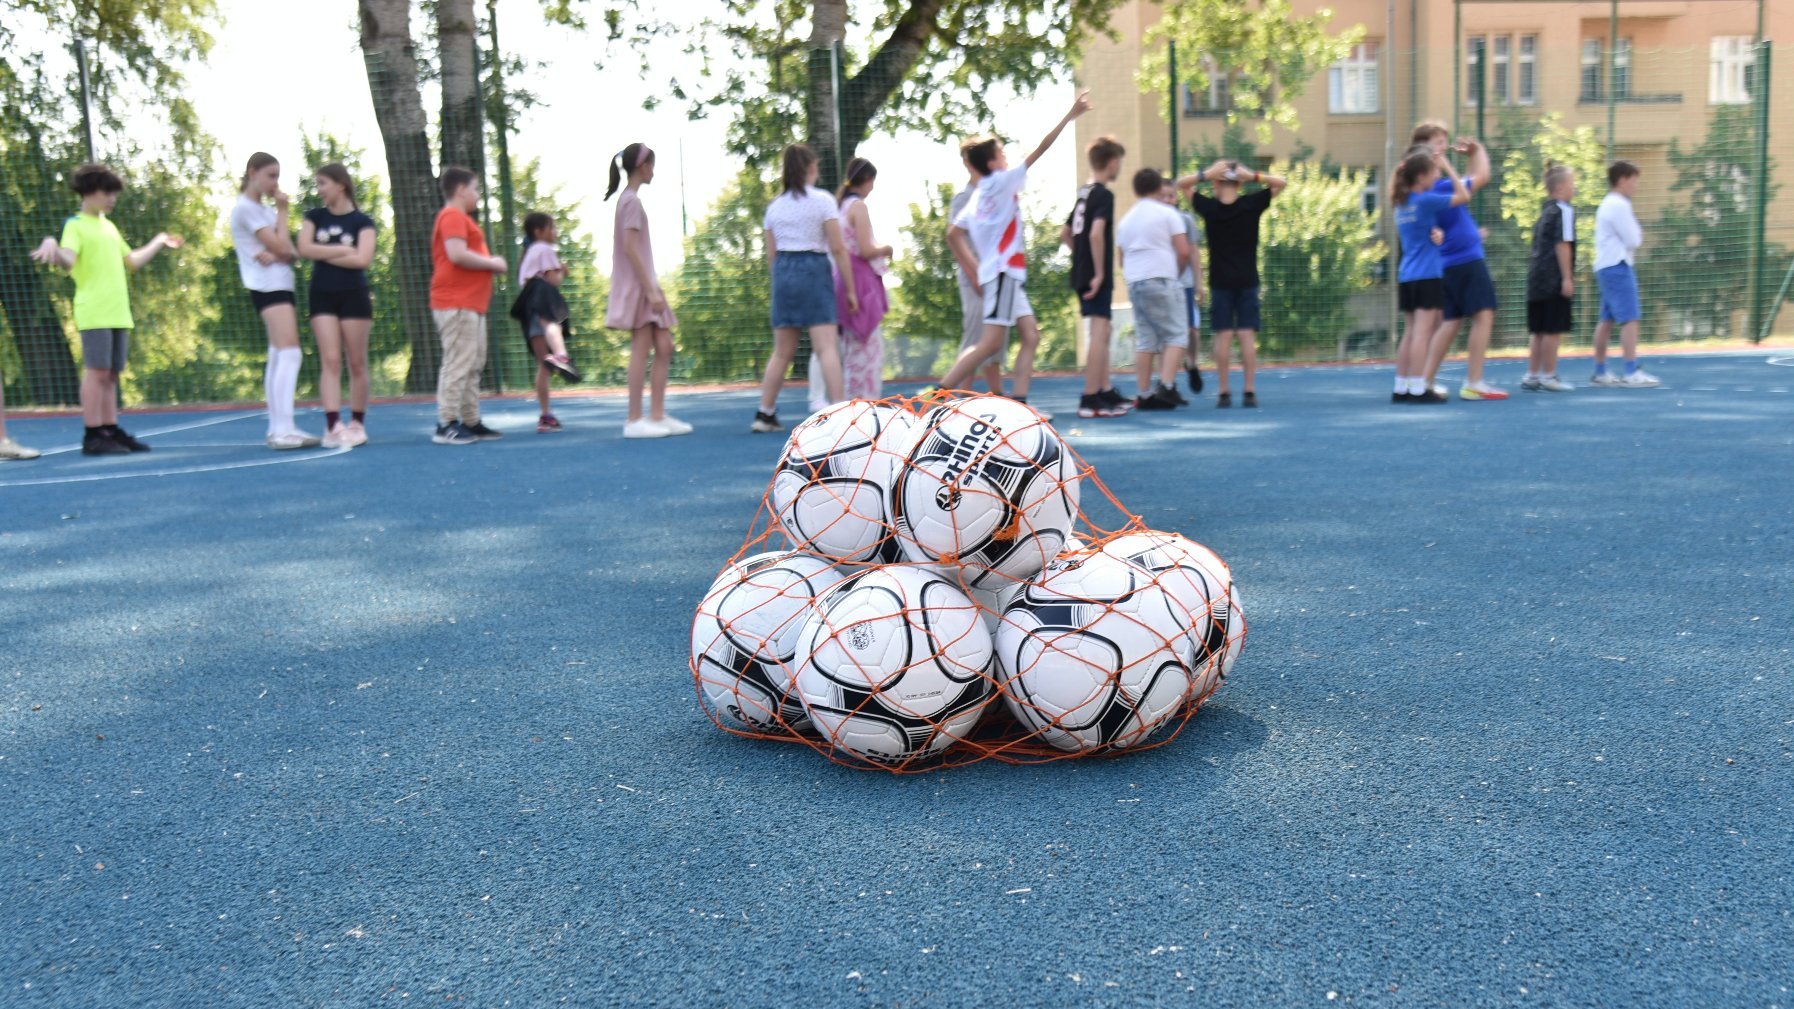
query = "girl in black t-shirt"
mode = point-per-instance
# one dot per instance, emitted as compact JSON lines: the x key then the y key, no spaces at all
{"x":339,"y":239}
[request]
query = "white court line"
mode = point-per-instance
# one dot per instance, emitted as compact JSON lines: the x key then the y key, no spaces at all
{"x":283,"y":457}
{"x":1781,"y":362}
{"x":60,"y":449}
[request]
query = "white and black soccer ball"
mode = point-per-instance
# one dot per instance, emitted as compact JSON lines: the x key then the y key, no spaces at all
{"x":1197,"y":575}
{"x":1092,"y":654}
{"x":895,"y":665}
{"x":987,"y":485}
{"x":744,"y":638}
{"x":831,"y":491}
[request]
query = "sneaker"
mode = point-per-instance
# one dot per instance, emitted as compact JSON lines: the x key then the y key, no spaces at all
{"x":124,"y":438}
{"x":1155,"y":400}
{"x":766,"y":423}
{"x":289,"y":440}
{"x":564,"y":365}
{"x":1223,"y":400}
{"x":1604,"y":378}
{"x":1640,"y":379}
{"x":1171,"y":391}
{"x":674,"y":425}
{"x":642,"y":427}
{"x":357,"y":434}
{"x":482,"y":432}
{"x":1401,"y":397}
{"x":1551,"y":383}
{"x":10,"y":449}
{"x":1113,"y":397}
{"x":1429,"y":396}
{"x":1439,"y":390}
{"x":1194,"y":374}
{"x":1097,"y":405}
{"x":1250,"y":401}
{"x":337,"y":437}
{"x":548,"y":423}
{"x":1531,"y":384}
{"x":453,"y":433}
{"x":102,"y":443}
{"x":1480,"y":392}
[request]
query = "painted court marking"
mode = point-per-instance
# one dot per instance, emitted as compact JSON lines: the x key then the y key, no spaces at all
{"x":281,"y":459}
{"x":60,"y":449}
{"x":1781,"y":362}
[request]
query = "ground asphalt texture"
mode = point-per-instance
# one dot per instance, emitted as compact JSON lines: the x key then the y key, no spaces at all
{"x":412,"y":724}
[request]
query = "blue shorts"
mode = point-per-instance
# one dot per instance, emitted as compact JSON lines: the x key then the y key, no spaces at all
{"x":1100,"y":306}
{"x":1468,"y":289}
{"x":1190,"y":307}
{"x":803,"y":291}
{"x":1233,"y":308}
{"x":1619,"y":294}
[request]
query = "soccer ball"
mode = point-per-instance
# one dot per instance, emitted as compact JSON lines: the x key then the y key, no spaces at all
{"x":744,"y":639}
{"x":988,"y":486}
{"x":830,"y":491}
{"x":896,"y":665}
{"x":1193,"y":572}
{"x":1093,"y":653}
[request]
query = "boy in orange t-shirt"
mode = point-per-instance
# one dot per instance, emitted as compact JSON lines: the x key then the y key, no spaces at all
{"x":460,"y":291}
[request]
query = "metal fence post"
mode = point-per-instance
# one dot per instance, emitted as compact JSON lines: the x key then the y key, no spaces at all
{"x":1761,"y":315}
{"x":1172,"y":112}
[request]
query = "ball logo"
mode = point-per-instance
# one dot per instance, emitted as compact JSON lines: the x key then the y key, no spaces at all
{"x":861,"y":637}
{"x":979,"y":439}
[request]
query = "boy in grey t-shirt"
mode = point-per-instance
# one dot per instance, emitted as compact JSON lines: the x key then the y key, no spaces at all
{"x":971,"y":303}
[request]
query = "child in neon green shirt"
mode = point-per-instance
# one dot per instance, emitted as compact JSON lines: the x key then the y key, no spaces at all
{"x":98,"y":258}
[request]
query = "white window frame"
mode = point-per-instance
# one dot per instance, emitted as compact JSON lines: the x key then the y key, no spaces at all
{"x":1526,"y":76}
{"x":1354,"y":83}
{"x":1475,"y":47}
{"x":1733,"y":57}
{"x":1501,"y":66}
{"x":1591,"y":61}
{"x":1218,"y":94}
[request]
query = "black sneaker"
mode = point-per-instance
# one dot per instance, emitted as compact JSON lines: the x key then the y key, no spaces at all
{"x":1171,"y":392}
{"x":1114,"y":398}
{"x":1195,"y":377}
{"x":1097,"y":404}
{"x":1223,"y":400}
{"x":123,"y":438}
{"x":1250,"y":400}
{"x":482,"y":432}
{"x":1428,"y":396}
{"x":453,"y":433}
{"x":102,"y":443}
{"x":766,"y":423}
{"x":1156,"y":401}
{"x":1400,"y":397}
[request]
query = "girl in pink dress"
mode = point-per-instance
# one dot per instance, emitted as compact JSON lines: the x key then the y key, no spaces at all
{"x":862,"y":336}
{"x":637,"y":303}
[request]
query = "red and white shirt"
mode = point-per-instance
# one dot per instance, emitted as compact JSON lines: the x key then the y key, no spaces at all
{"x":993,"y":222}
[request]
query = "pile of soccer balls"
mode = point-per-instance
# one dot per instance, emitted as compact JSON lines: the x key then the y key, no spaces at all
{"x":936,"y":607}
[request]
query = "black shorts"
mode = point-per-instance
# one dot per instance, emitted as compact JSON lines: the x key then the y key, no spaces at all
{"x":351,"y":304}
{"x":1098,"y":306}
{"x":1552,"y":316}
{"x":1414,"y":295}
{"x":1468,"y":289}
{"x":263,"y":299}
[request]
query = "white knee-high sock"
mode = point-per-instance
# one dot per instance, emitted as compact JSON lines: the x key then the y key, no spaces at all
{"x":284,"y":386}
{"x":269,"y":384}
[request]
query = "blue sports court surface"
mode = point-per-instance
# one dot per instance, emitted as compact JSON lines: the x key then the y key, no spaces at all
{"x":412,"y":724}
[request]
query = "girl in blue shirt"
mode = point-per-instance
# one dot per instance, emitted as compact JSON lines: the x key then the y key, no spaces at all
{"x":1422,"y":288}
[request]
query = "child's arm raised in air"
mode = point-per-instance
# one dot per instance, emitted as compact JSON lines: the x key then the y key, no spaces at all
{"x":1481,"y":172}
{"x":136,"y":258}
{"x":1078,"y":107}
{"x":962,"y":253}
{"x":1460,"y":195}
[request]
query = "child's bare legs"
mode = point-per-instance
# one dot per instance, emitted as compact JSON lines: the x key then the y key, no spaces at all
{"x":1439,"y":348}
{"x":355,"y":346}
{"x":539,"y":349}
{"x":988,"y":345}
{"x":1535,"y":355}
{"x":784,"y":345}
{"x":645,"y":341}
{"x":1629,"y":341}
{"x":99,"y":397}
{"x":327,"y":331}
{"x":1482,"y":324}
{"x":1096,"y":356}
{"x":1249,"y":358}
{"x":1223,"y":344}
{"x":1143,"y":373}
{"x":827,"y":341}
{"x":1171,"y":361}
{"x":557,"y":340}
{"x":993,"y":377}
{"x":1548,"y":344}
{"x":1029,"y":332}
{"x":1603,"y":333}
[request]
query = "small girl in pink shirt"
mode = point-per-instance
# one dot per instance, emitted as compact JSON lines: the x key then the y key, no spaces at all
{"x":543,"y":312}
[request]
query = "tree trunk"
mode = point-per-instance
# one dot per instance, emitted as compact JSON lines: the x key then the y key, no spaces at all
{"x":866,"y":92}
{"x":462,"y":143}
{"x":391,"y":60}
{"x":828,"y":26}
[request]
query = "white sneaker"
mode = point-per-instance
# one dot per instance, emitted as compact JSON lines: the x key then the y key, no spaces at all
{"x":291,"y":440}
{"x":674,"y":425}
{"x":355,"y":434}
{"x":645,"y":428}
{"x":10,"y":449}
{"x":1604,"y":378}
{"x":338,"y":437}
{"x":1640,"y":379}
{"x":1551,"y":383}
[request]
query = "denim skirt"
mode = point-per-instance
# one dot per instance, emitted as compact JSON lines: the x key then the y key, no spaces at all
{"x":803,"y":290}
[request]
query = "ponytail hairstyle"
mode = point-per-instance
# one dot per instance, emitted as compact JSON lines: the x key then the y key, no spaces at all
{"x":798,"y":160}
{"x":1412,"y":169}
{"x":859,"y":171}
{"x":533,"y":223}
{"x":624,"y":163}
{"x":257,"y":161}
{"x":335,"y":172}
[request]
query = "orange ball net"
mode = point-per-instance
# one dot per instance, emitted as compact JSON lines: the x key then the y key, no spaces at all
{"x":923,"y":586}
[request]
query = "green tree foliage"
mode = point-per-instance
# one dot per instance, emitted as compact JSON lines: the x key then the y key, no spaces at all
{"x":1268,"y":52}
{"x":925,"y":292}
{"x":1521,"y":148}
{"x":722,"y":292}
{"x":1319,"y":245}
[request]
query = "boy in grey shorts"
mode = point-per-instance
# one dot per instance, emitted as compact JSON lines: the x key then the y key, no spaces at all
{"x":1153,"y":251}
{"x":971,"y":303}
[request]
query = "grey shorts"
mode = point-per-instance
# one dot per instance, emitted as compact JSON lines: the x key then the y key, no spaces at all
{"x":971,"y":321}
{"x":105,"y":349}
{"x":1161,"y":318}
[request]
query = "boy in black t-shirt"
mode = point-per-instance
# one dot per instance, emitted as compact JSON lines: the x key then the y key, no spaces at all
{"x":1230,"y":220}
{"x":1090,"y":234}
{"x":1550,"y":281}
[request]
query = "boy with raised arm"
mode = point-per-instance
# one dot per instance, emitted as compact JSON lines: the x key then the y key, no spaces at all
{"x":1469,"y":289}
{"x":987,"y":240}
{"x":1230,"y":220}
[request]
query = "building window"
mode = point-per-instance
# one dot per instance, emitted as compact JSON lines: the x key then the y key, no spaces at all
{"x":1500,"y":69}
{"x":1526,"y":80}
{"x":1593,"y":68}
{"x":1473,"y":57}
{"x":1732,"y":71}
{"x":1622,"y":70}
{"x":1212,"y":100}
{"x":1352,"y":82}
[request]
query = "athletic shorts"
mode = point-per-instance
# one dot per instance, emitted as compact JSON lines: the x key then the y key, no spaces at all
{"x":1414,"y":295}
{"x":1158,"y":315}
{"x":1191,"y":309}
{"x":971,"y":321}
{"x":263,"y":299}
{"x":1100,"y":306}
{"x":1552,"y":316}
{"x":352,"y":304}
{"x":1005,"y":301}
{"x":1619,"y":294}
{"x":1233,"y":308}
{"x":803,"y":291}
{"x":105,"y":349}
{"x":1468,"y":289}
